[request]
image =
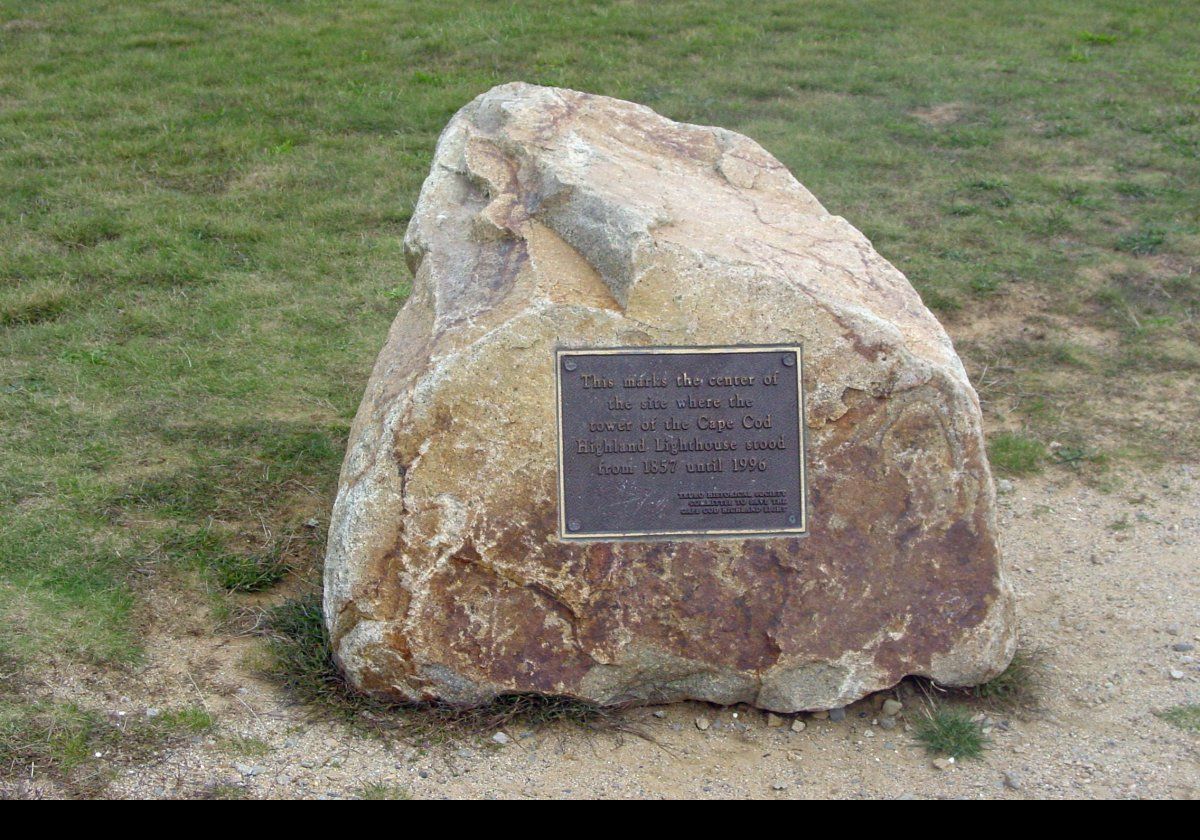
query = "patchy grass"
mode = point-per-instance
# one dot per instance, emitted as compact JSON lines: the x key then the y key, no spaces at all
{"x":224,"y":790}
{"x":49,"y":736}
{"x":302,"y":662}
{"x":1186,"y":718}
{"x":1142,"y":242}
{"x":81,"y":748}
{"x":949,"y":731}
{"x":245,"y":746}
{"x":1019,"y":684}
{"x":1121,"y":523}
{"x":1013,"y":454}
{"x":193,"y":720}
{"x":534,"y":710}
{"x":245,"y":562}
{"x":301,"y":659}
{"x":377,"y":790}
{"x":249,"y":573}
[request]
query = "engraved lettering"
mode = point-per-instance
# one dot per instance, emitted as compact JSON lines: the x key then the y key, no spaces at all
{"x":717,"y":450}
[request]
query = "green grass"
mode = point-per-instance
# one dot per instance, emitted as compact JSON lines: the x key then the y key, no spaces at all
{"x":192,"y":720}
{"x":242,"y":573}
{"x":1186,"y":718}
{"x":1019,"y":684}
{"x":80,"y":747}
{"x":224,"y":790}
{"x":300,"y":659}
{"x":245,"y":746}
{"x":949,"y":731}
{"x":379,"y":791}
{"x":48,"y":735}
{"x":204,"y":204}
{"x":1141,"y":242}
{"x":1013,"y":454}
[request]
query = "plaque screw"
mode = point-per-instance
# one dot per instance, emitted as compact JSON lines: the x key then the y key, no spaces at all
{"x":792,"y":519}
{"x":570,"y":364}
{"x":789,"y":361}
{"x":573,"y":525}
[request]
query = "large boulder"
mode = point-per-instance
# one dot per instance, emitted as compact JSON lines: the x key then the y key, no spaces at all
{"x":557,"y":218}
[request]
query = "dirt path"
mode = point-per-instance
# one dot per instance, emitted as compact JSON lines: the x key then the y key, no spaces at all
{"x":1107,"y":586}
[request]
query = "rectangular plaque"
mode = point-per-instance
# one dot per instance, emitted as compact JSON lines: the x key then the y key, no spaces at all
{"x":664,"y":442}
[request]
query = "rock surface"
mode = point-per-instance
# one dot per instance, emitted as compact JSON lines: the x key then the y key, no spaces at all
{"x":552,"y":217}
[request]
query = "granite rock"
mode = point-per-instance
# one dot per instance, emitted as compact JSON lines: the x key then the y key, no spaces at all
{"x":557,"y":218}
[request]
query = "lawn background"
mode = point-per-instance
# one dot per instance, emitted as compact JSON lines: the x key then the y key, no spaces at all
{"x":202,"y":207}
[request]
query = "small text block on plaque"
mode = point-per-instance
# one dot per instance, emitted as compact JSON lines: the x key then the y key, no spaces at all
{"x":664,"y":442}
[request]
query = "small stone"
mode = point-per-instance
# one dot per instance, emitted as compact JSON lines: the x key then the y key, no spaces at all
{"x":1176,"y":674}
{"x":1173,"y":629}
{"x":774,"y":721}
{"x":887,"y":723}
{"x":779,"y":786}
{"x":798,"y":725}
{"x":821,"y":715}
{"x":837,"y":715}
{"x":1011,"y":780}
{"x":891,"y":707}
{"x":501,"y":738}
{"x":943,"y":763}
{"x":1004,"y":486}
{"x":660,"y":714}
{"x":1183,"y":647}
{"x":153,"y":713}
{"x":312,"y":523}
{"x":702,"y":723}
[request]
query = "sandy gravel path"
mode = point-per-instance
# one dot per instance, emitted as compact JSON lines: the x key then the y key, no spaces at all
{"x":1108,"y":592}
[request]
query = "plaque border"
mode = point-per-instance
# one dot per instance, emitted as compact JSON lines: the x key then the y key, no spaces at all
{"x":566,"y":536}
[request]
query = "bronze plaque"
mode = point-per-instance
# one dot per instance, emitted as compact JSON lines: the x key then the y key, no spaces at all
{"x":666,"y":442}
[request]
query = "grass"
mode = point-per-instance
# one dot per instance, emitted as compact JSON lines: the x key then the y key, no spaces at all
{"x":376,"y":790}
{"x":192,"y":720}
{"x":242,"y":573}
{"x":244,"y":746}
{"x":949,"y":731}
{"x":1141,"y":242}
{"x":224,"y":790}
{"x":300,"y":659}
{"x":1014,"y":454}
{"x":1186,"y":718}
{"x":204,"y":205}
{"x":50,"y":736}
{"x":1019,"y":684}
{"x":80,"y":747}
